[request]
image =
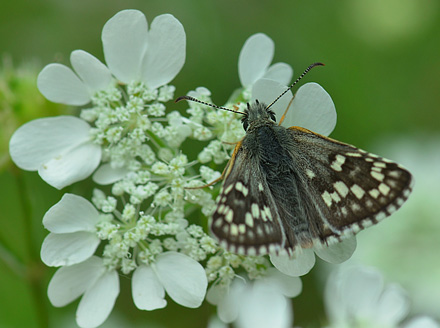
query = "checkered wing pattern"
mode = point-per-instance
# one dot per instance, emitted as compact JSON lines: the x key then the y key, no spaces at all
{"x":314,"y":190}
{"x":350,"y":188}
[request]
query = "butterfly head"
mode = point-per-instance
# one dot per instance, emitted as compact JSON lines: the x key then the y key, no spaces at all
{"x":257,"y":114}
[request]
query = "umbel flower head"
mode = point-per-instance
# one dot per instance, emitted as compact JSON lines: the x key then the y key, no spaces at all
{"x":357,"y":296}
{"x":61,"y":148}
{"x":125,"y":136}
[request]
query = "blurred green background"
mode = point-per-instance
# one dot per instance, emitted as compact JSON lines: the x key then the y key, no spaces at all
{"x":382,"y":70}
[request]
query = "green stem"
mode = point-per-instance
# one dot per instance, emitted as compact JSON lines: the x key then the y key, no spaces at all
{"x":34,"y":273}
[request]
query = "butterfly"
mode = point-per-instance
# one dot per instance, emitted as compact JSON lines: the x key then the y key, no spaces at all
{"x":291,"y":187}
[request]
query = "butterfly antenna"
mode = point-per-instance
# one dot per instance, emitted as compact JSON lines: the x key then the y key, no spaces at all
{"x":297,"y":80}
{"x":207,"y":104}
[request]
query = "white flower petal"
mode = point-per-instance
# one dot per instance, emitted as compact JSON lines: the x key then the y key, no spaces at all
{"x":337,"y":253}
{"x":229,"y":299}
{"x":301,"y":264}
{"x":68,"y":283}
{"x":58,"y":147}
{"x":98,"y":301}
{"x":335,"y":305}
{"x":214,"y":322}
{"x":37,"y":142}
{"x":421,"y":322}
{"x":184,"y":279}
{"x":289,"y":286}
{"x":165,"y":55}
{"x":68,"y":248}
{"x":264,"y":307}
{"x":215,"y":294}
{"x":95,"y":75}
{"x":106,"y":174}
{"x":393,"y":306}
{"x":266,"y":91}
{"x":58,"y":83}
{"x":361,"y":288}
{"x":72,"y":166}
{"x":280,"y":72}
{"x":312,"y":109}
{"x":148,"y":292}
{"x":125,"y":38}
{"x":72,"y":213}
{"x":254,"y":59}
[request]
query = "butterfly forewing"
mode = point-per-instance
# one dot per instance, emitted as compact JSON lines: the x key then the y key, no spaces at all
{"x":351,"y":189}
{"x":246,"y":219}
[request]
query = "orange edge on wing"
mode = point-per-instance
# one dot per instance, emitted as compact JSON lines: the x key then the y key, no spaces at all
{"x":316,"y":134}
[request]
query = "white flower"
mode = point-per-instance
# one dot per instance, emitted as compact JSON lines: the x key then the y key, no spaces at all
{"x":303,"y":260}
{"x":132,"y":53}
{"x":421,"y":322}
{"x":183,"y":279}
{"x":312,"y":108}
{"x":411,"y":234}
{"x":262,"y":303}
{"x":255,"y":58}
{"x":98,"y":285}
{"x":59,"y":148}
{"x":72,"y":238}
{"x":356,"y":296}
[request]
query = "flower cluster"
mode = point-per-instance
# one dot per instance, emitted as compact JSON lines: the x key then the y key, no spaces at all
{"x":357,"y":296}
{"x":149,"y":222}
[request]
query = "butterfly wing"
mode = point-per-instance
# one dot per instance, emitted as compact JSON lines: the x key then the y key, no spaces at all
{"x":246,"y":220}
{"x":300,"y":188}
{"x":349,"y":189}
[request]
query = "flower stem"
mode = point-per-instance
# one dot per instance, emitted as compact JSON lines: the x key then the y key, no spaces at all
{"x":33,"y":272}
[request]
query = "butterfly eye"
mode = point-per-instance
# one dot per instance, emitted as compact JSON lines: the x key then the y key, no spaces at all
{"x":245,"y":122}
{"x":272,"y":116}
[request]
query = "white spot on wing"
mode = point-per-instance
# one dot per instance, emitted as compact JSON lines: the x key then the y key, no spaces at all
{"x":249,"y":219}
{"x":241,"y":188}
{"x":335,"y":197}
{"x":384,"y":189}
{"x":374,"y":193}
{"x":353,"y":154}
{"x":228,"y":189}
{"x":357,"y":191}
{"x":327,"y":198}
{"x":310,"y":173}
{"x":234,"y":229}
{"x":338,"y":162}
{"x":380,"y":164}
{"x":378,"y":176}
{"x":255,"y":211}
{"x":341,"y":188}
{"x":229,"y":216}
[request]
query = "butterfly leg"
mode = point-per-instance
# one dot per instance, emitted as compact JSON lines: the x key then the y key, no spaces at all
{"x":225,"y":171}
{"x":209,"y":184}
